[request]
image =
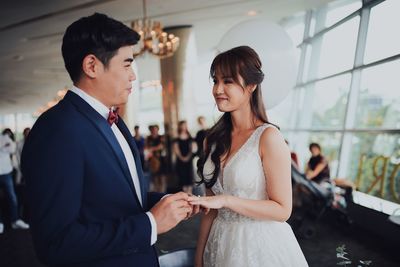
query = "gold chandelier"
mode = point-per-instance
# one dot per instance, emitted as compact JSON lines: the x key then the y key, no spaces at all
{"x":152,"y":38}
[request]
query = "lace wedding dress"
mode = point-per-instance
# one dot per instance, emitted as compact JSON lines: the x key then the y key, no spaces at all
{"x":238,"y":241}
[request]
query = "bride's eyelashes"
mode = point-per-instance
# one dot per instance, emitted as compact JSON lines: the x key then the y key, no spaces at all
{"x":224,"y":80}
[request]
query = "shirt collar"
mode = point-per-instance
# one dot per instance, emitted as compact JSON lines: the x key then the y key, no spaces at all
{"x":102,"y":109}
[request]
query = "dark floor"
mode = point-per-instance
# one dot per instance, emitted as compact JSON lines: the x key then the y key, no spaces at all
{"x":320,"y":250}
{"x":16,"y":245}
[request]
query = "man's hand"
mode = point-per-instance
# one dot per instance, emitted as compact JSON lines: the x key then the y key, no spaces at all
{"x":171,"y":210}
{"x":194,"y":211}
{"x":196,"y":208}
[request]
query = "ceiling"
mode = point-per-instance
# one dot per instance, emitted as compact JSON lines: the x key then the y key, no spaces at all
{"x":32,"y":69}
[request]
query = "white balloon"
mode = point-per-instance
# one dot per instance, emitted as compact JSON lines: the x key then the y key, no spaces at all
{"x":276,"y":51}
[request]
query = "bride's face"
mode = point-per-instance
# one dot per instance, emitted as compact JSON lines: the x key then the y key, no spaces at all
{"x":229,"y":95}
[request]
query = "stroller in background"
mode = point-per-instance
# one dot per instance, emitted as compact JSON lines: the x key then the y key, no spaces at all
{"x":316,"y":199}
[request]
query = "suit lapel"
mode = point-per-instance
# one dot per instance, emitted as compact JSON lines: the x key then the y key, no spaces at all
{"x":125,"y":132}
{"x":104,"y":128}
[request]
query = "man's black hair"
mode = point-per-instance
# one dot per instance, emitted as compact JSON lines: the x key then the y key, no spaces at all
{"x":97,"y":34}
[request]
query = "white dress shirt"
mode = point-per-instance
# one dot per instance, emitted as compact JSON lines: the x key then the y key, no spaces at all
{"x":103,"y":111}
{"x":7,"y":147}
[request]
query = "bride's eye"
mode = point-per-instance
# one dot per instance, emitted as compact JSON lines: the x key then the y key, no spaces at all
{"x":227,"y":81}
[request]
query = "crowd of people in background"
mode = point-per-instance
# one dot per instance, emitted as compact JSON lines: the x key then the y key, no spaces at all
{"x":153,"y":155}
{"x":11,"y":179}
{"x":185,"y":148}
{"x":181,"y":176}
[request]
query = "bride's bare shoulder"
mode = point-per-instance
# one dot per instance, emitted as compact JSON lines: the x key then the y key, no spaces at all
{"x":272,"y":141}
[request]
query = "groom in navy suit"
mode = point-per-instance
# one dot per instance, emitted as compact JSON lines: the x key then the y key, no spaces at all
{"x":89,"y":201}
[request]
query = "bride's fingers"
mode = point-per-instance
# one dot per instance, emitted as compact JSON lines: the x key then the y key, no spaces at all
{"x":199,"y":201}
{"x":194,"y":198}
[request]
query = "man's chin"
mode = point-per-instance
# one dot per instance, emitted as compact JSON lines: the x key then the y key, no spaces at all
{"x":121,"y":103}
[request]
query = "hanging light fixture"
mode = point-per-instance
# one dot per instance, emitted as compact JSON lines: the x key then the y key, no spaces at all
{"x":152,"y":38}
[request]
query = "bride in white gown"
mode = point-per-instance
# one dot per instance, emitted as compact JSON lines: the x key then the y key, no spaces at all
{"x":246,"y":170}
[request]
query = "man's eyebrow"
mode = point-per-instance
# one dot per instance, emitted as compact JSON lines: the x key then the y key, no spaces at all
{"x":130,"y":60}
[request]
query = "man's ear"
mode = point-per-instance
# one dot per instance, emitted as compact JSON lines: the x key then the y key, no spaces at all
{"x":91,"y":66}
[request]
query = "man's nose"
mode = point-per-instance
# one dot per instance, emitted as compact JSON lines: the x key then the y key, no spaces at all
{"x":132,"y":76}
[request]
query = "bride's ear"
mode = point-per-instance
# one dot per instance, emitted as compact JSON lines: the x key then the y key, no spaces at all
{"x":251,"y":88}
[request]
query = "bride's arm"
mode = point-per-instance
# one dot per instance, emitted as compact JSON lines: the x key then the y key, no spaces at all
{"x":205,"y":225}
{"x":275,"y":157}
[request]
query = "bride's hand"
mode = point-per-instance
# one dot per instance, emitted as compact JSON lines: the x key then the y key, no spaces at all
{"x":210,"y":202}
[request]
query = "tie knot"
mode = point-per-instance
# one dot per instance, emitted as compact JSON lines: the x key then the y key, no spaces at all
{"x":113,"y":116}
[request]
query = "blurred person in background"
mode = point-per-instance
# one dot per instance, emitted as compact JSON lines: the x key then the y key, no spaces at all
{"x":183,"y":148}
{"x":155,"y":145}
{"x":317,"y":169}
{"x":140,"y":142}
{"x":7,"y":148}
{"x":201,"y":135}
{"x":20,"y":145}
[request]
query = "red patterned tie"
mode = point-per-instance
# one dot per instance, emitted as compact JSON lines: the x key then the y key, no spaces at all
{"x":113,"y":116}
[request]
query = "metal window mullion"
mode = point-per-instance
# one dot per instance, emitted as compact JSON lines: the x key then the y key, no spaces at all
{"x":371,"y":3}
{"x":306,"y":32}
{"x":352,"y":100}
{"x":306,"y":118}
{"x":301,"y":65}
{"x":320,"y":16}
{"x":362,"y":38}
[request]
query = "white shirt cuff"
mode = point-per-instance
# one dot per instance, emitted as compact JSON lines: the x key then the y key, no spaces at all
{"x":165,"y":196}
{"x":153,"y":223}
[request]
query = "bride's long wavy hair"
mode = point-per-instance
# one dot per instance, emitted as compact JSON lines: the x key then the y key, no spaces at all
{"x":240,"y":61}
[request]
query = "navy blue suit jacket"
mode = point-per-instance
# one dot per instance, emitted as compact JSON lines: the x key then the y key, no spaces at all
{"x":84,"y":208}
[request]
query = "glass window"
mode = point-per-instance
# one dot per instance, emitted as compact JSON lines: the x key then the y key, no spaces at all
{"x":341,"y":9}
{"x":150,"y":97}
{"x":374,"y":164}
{"x":150,"y":111}
{"x":284,"y":113}
{"x":151,"y":117}
{"x":8,"y":121}
{"x":383,"y":39}
{"x":329,"y":101}
{"x":338,"y":48}
{"x":379,"y":97}
{"x":294,"y":26}
{"x":370,"y":158}
{"x":295,"y":29}
{"x":23,"y":121}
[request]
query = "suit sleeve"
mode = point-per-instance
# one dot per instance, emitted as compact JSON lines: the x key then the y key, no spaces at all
{"x":53,"y":164}
{"x":153,"y":198}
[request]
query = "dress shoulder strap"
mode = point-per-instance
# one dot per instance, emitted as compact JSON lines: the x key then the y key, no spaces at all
{"x":259,"y":132}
